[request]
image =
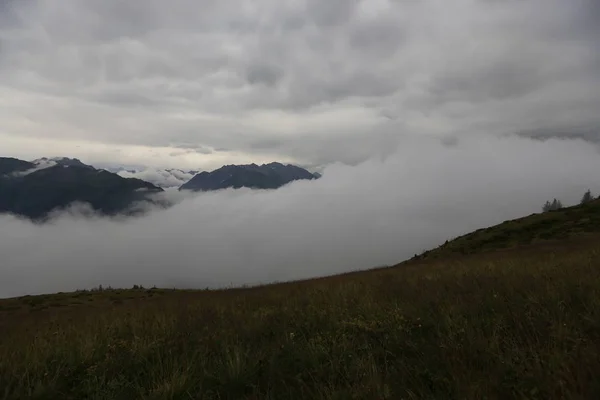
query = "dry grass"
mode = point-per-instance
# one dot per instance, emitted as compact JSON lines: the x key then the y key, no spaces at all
{"x":572,"y":222}
{"x":512,"y":324}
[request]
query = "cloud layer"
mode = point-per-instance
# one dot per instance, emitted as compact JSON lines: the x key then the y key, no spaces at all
{"x":172,"y":178}
{"x":196,"y":85}
{"x":379,"y":212}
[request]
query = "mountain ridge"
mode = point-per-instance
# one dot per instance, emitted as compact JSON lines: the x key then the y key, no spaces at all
{"x":36,"y":192}
{"x":265,"y":176}
{"x":34,"y":189}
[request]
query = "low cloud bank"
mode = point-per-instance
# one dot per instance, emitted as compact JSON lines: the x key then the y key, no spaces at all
{"x":39,"y":165}
{"x":172,"y":178}
{"x":379,"y":212}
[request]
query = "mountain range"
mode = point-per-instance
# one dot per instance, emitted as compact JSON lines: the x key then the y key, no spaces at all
{"x":35,"y":189}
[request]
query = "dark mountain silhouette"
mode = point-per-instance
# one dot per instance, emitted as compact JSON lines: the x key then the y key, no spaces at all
{"x":36,"y":194}
{"x":266,"y":176}
{"x":13,"y":165}
{"x":35,"y":189}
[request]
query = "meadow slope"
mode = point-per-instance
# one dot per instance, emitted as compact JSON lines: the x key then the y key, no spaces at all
{"x":508,"y":312}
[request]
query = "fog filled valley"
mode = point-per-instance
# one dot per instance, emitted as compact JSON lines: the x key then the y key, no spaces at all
{"x":379,"y":212}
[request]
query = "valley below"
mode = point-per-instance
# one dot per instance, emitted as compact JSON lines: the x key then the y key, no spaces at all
{"x":512,"y":311}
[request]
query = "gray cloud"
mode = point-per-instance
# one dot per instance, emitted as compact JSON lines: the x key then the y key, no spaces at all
{"x":263,"y":74}
{"x":164,"y":178}
{"x":335,"y":12}
{"x":379,"y":212}
{"x":379,"y":37}
{"x":267,"y":144}
{"x":225,"y":75}
{"x":187,"y":150}
{"x":587,"y":133}
{"x":499,"y":80}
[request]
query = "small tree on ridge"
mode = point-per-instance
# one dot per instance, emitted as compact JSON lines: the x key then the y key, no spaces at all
{"x":551,"y":206}
{"x":587,"y":197}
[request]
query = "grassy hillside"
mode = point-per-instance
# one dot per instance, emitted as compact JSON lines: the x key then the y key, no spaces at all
{"x":503,"y":322}
{"x":577,"y":221}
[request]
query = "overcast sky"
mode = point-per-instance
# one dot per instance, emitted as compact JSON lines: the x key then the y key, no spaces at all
{"x":199,"y":84}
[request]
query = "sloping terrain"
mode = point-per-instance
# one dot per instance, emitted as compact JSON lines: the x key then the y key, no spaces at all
{"x":576,"y":221}
{"x":504,"y":321}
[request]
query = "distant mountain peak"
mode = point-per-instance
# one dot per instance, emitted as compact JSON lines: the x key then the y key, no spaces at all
{"x":266,"y":176}
{"x":61,"y":161}
{"x":36,"y":189}
{"x":48,"y":162}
